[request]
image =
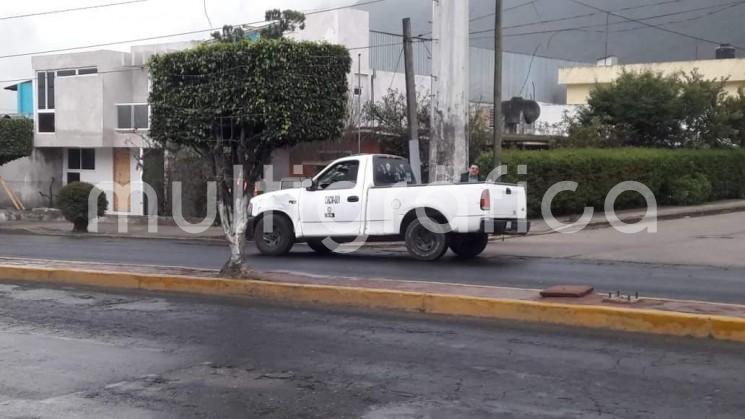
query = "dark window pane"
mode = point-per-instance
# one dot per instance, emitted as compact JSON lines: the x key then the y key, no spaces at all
{"x":65,"y":73}
{"x":46,"y":122}
{"x":73,"y":177}
{"x":50,"y":90}
{"x":141,"y":116}
{"x":88,"y":70}
{"x":88,"y":159}
{"x":41,"y":88}
{"x":73,"y":158}
{"x":124,"y":116}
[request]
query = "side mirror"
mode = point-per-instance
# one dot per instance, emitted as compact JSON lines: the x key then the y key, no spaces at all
{"x":307,"y":184}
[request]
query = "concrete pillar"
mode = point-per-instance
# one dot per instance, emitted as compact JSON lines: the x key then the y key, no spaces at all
{"x":448,"y":154}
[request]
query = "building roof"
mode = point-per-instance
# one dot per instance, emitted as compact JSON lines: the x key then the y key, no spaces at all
{"x":14,"y":87}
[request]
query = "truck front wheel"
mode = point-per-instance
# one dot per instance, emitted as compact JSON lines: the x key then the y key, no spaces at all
{"x":279,"y":240}
{"x":424,"y":244}
{"x":468,"y":245}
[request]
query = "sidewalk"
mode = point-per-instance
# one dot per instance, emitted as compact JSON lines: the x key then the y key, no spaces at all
{"x":539,"y":226}
{"x":630,"y":314}
{"x":168,"y":231}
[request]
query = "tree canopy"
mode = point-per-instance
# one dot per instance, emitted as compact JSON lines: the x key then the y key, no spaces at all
{"x":652,"y":109}
{"x":16,"y":139}
{"x":278,"y":92}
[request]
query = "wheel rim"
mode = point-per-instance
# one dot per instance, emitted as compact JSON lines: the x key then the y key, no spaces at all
{"x":424,"y":240}
{"x":272,"y":239}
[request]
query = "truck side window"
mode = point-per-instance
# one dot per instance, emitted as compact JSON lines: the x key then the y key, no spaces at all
{"x":342,"y":175}
{"x":391,"y":171}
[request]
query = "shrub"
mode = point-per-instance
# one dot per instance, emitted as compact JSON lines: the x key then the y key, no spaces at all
{"x":72,"y":200}
{"x":690,"y":189}
{"x":598,"y":170}
{"x":16,"y":139}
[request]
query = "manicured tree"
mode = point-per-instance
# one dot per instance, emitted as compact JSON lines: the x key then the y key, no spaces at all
{"x":72,"y":200}
{"x":234,"y":103}
{"x":16,"y":139}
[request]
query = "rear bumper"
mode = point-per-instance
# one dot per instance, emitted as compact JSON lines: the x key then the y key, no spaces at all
{"x":505,"y":226}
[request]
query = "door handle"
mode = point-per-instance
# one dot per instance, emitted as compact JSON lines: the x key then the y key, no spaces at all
{"x":353,"y":198}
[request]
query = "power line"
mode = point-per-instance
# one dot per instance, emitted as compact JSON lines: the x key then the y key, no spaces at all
{"x":519,"y":6}
{"x":690,"y":19}
{"x":395,"y":70}
{"x":680,"y":12}
{"x":206,"y":15}
{"x":585,"y":28}
{"x":566,"y":18}
{"x":683,"y":34}
{"x":140,"y":67}
{"x":152,"y":38}
{"x":74,"y":9}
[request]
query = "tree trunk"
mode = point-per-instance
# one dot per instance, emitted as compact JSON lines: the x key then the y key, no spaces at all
{"x":232,"y":205}
{"x":80,"y":226}
{"x":234,"y":226}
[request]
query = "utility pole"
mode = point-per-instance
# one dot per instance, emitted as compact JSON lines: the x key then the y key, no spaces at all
{"x":359,"y":103}
{"x":448,"y":148}
{"x":498,"y":117}
{"x":414,"y":160}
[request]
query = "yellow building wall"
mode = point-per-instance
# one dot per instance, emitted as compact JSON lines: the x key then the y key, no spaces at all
{"x":580,"y":80}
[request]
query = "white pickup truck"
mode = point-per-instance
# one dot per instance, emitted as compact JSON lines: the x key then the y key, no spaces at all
{"x":367,"y":198}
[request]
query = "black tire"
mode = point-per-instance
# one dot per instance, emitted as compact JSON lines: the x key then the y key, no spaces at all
{"x":424,"y":244}
{"x":468,"y":245}
{"x":318,"y":246}
{"x":279,"y":241}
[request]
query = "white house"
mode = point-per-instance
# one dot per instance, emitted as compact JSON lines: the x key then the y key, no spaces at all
{"x":91,"y":107}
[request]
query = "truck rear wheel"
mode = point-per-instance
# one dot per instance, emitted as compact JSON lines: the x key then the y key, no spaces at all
{"x":277,"y":242}
{"x":318,"y":246}
{"x":424,"y":244}
{"x":468,"y":245}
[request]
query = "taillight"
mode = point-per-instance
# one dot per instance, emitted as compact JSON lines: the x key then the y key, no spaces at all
{"x":485,"y":201}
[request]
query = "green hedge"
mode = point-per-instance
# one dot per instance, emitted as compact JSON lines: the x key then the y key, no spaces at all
{"x":676,"y":177}
{"x":16,"y":139}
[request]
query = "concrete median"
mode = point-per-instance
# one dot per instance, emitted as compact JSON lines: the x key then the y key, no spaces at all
{"x":664,"y":317}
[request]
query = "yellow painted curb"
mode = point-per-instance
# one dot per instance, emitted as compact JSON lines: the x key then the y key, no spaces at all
{"x":599,"y":317}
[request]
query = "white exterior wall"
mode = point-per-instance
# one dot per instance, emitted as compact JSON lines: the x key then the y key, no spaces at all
{"x":383,"y":80}
{"x":30,"y":175}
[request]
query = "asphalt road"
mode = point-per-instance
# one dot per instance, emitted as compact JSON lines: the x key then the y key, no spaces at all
{"x":670,"y":281}
{"x":78,"y":353}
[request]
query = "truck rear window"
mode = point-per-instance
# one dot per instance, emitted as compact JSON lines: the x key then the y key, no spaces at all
{"x":388,"y":171}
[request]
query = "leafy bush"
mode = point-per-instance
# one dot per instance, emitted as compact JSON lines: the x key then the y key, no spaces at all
{"x":654,"y":110}
{"x":16,"y":139}
{"x":690,"y":189}
{"x":597,"y":171}
{"x":72,"y":200}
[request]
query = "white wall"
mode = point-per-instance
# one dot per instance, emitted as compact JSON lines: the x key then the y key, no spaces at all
{"x":29,"y":175}
{"x":384,"y":80}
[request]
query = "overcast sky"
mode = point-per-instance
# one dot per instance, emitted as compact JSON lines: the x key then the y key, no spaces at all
{"x":717,"y":20}
{"x":116,"y":23}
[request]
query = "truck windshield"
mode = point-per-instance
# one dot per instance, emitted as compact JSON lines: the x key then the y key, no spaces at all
{"x":388,"y":171}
